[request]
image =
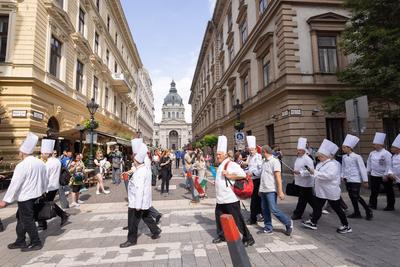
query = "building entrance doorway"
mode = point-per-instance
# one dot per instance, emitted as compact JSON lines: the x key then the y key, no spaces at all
{"x":173,"y":140}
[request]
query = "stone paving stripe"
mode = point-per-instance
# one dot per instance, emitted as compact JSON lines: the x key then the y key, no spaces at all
{"x":280,"y":246}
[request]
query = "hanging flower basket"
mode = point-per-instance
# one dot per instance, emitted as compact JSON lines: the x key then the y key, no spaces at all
{"x":87,"y":122}
{"x":238,"y":125}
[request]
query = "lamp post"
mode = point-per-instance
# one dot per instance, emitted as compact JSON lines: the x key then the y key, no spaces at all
{"x":92,"y":106}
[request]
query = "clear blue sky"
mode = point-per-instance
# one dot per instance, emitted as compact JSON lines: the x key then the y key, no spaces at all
{"x":168,"y":34}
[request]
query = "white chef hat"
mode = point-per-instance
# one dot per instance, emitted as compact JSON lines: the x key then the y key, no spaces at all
{"x":251,"y":141}
{"x":47,"y":146}
{"x":379,"y":138}
{"x":302,"y":143}
{"x":142,"y":153}
{"x":328,"y":148}
{"x":351,"y":141}
{"x":222,"y":144}
{"x":396,"y":142}
{"x":136,"y":145}
{"x":29,"y":144}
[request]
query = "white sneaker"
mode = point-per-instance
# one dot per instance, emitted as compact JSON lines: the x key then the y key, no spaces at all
{"x":325,"y":212}
{"x":80,"y":201}
{"x":74,"y":204}
{"x":106,"y":192}
{"x":97,"y":192}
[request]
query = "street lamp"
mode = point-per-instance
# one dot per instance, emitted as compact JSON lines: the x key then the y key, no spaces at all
{"x":238,"y":125}
{"x":92,"y":106}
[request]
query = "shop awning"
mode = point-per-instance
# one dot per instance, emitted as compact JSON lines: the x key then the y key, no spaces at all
{"x":117,"y":139}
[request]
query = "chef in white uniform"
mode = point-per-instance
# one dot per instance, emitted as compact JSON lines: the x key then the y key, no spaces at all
{"x":139,"y":196}
{"x":354,"y":173}
{"x":394,"y":171}
{"x":378,"y":166}
{"x":53,"y":169}
{"x":227,"y":202}
{"x":28,"y":183}
{"x":303,"y":179}
{"x":254,"y":163}
{"x":327,"y":186}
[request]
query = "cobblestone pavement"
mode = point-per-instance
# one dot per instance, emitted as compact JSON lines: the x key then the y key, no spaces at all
{"x":94,"y":233}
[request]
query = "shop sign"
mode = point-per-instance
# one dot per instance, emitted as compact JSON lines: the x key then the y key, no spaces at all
{"x":38,"y":115}
{"x":19,"y":113}
{"x":285,"y":113}
{"x":295,"y":112}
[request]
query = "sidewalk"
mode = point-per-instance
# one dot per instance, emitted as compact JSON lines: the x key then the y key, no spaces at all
{"x":95,"y":232}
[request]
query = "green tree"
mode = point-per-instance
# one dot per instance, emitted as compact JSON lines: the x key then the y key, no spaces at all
{"x":372,"y":38}
{"x":211,"y":141}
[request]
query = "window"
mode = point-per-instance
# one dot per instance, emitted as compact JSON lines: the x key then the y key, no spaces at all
{"x":221,"y":40}
{"x":108,"y":22}
{"x":335,"y":130}
{"x":233,"y":97}
{"x":79,"y":76}
{"x":3,"y":37}
{"x":245,"y":86}
{"x":262,"y":5}
{"x":126,"y":114}
{"x":266,"y":76}
{"x":55,"y":56}
{"x":81,"y":23}
{"x":59,"y":3}
{"x":270,"y":134}
{"x":231,"y":53}
{"x":249,"y":132}
{"x":115,"y":67}
{"x":230,"y":23}
{"x":98,"y":5}
{"x":106,"y":98}
{"x":173,"y":115}
{"x":327,"y":54}
{"x":95,"y":88}
{"x":391,"y":126}
{"x":107,"y":57}
{"x":243,"y":32}
{"x":96,"y":42}
{"x":169,"y":115}
{"x":115,"y":104}
{"x":116,"y":38}
{"x":122,"y":50}
{"x":121,"y":108}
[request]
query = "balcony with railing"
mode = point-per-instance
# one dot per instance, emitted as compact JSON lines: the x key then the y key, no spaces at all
{"x":120,"y":83}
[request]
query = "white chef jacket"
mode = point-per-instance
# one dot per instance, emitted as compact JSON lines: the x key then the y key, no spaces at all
{"x":29,"y":181}
{"x":395,"y":167}
{"x":327,"y":180}
{"x":53,"y":169}
{"x":147,"y":162}
{"x":353,"y":168}
{"x":225,"y":194}
{"x":254,"y":163}
{"x":303,"y":179}
{"x":139,"y":189}
{"x":378,"y":163}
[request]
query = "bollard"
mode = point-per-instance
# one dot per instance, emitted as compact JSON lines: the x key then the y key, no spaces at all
{"x":236,"y":248}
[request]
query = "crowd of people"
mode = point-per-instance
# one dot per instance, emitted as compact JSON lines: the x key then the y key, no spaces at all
{"x":317,"y":181}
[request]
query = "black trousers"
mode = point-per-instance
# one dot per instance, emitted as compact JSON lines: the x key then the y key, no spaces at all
{"x":375,"y":184}
{"x":306,"y":196}
{"x":335,"y":204}
{"x":234,"y":210}
{"x":26,"y":223}
{"x":177,"y":163}
{"x":50,"y":197}
{"x":255,"y":203}
{"x":134,"y":217}
{"x":354,"y":194}
{"x":164,"y":184}
{"x":153,"y":212}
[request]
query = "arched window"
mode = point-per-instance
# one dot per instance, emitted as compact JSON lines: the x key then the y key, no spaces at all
{"x":169,"y":114}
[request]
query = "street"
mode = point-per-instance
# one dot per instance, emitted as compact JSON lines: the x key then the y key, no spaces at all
{"x":94,"y":233}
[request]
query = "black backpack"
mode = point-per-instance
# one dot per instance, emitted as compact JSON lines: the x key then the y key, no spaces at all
{"x":65,"y":176}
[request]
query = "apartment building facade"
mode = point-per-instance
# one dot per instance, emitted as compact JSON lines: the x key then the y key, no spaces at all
{"x":146,"y":106}
{"x":278,"y":59}
{"x":55,"y":56}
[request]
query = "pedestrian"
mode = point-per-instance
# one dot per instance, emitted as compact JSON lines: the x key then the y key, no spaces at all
{"x":354,"y":173}
{"x":28,"y":183}
{"x":189,"y":160}
{"x":177,"y":158}
{"x":165,"y":172}
{"x":378,"y":166}
{"x":231,"y":155}
{"x":117,"y":162}
{"x":100,"y":170}
{"x":327,"y":187}
{"x":394,"y":171}
{"x":254,"y":163}
{"x":200,"y":180}
{"x":270,"y":189}
{"x":63,"y":191}
{"x":277,"y":152}
{"x":77,"y":170}
{"x":53,"y":170}
{"x":172,"y":157}
{"x":227,"y":201}
{"x":303,"y":179}
{"x":238,"y":159}
{"x":139,"y":196}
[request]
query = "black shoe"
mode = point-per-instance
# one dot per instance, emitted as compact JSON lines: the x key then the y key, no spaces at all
{"x":64,"y":219}
{"x":127,"y":244}
{"x":42,"y":227}
{"x":372,"y":207}
{"x":369,"y":215}
{"x":249,"y":242}
{"x":218,"y":240}
{"x":1,"y":227}
{"x":156,"y":235}
{"x":158,"y":218}
{"x":32,"y":247}
{"x":296,"y":217}
{"x":125,"y":228}
{"x":354,"y":216}
{"x":250,"y":222}
{"x":17,"y":246}
{"x":388,"y":209}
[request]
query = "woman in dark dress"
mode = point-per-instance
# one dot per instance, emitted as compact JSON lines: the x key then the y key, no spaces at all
{"x":165,"y":172}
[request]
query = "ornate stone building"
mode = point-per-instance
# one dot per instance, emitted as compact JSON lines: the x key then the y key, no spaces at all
{"x":173,"y":132}
{"x":279,"y":59}
{"x":55,"y":56}
{"x":146,"y":106}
